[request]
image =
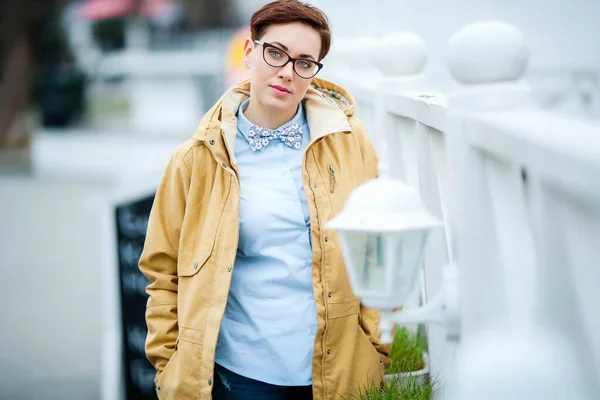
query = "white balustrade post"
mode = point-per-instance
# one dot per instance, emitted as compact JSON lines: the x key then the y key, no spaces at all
{"x":566,"y":208}
{"x":489,"y":59}
{"x":409,"y":121}
{"x":368,"y":68}
{"x":503,"y":354}
{"x":405,"y":128}
{"x":400,"y":57}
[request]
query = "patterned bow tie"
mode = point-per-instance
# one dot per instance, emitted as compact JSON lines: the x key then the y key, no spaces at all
{"x":260,"y":137}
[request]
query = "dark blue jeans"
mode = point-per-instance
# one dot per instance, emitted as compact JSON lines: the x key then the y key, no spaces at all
{"x":231,"y":386}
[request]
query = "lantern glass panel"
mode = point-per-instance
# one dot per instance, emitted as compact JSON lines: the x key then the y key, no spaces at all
{"x":409,"y":263}
{"x":384,"y":265}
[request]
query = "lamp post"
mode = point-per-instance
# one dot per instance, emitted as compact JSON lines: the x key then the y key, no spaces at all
{"x":383,"y":230}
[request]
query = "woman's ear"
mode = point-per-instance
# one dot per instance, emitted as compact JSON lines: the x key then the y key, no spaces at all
{"x":248,"y":47}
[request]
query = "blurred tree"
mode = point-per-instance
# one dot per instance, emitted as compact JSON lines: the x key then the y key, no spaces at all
{"x":31,"y":41}
{"x":20,"y":33}
{"x":24,"y":44}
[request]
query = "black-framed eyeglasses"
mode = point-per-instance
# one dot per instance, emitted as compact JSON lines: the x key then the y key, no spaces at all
{"x":275,"y":57}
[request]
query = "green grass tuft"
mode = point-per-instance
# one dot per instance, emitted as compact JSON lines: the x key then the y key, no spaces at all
{"x":405,"y":389}
{"x":407,"y":356}
{"x":407,"y":351}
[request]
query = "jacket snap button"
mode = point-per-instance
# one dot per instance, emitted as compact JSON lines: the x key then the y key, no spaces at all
{"x":326,"y":239}
{"x":209,"y":381}
{"x":229,"y":268}
{"x":328,"y":351}
{"x":157,"y":387}
{"x":224,"y":165}
{"x":381,"y":360}
{"x":329,"y":294}
{"x":196,"y":265}
{"x":211,"y":141}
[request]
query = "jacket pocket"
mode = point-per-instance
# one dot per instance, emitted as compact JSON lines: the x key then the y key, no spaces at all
{"x":190,"y":262}
{"x":343,"y":309}
{"x":181,"y":377}
{"x":165,"y":372}
{"x":370,"y":364}
{"x":351,"y":361}
{"x":199,"y":240}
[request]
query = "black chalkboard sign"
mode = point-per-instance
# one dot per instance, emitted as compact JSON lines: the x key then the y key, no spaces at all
{"x":132,"y":222}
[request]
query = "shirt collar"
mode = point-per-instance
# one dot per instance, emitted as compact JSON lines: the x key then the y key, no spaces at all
{"x":244,"y":124}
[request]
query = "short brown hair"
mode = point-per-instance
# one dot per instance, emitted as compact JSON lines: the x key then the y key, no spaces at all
{"x":288,"y":11}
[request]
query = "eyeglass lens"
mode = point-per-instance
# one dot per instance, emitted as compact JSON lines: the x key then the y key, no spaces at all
{"x":276,"y":58}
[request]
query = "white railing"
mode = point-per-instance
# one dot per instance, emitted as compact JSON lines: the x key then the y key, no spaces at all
{"x":518,"y":189}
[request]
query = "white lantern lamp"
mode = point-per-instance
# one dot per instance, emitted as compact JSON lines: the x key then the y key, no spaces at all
{"x":383,"y":229}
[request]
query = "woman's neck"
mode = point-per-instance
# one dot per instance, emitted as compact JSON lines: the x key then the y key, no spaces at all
{"x":270,"y":120}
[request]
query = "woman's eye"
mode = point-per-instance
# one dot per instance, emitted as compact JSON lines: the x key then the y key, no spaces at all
{"x":275,"y":53}
{"x":303,"y":64}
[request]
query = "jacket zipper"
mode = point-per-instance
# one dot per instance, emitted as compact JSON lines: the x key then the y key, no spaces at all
{"x":331,"y":178}
{"x":321,"y":276}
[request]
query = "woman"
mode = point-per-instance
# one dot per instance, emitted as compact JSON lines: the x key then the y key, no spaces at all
{"x":249,"y":297}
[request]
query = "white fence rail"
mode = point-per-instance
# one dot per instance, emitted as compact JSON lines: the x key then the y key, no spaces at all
{"x":518,"y":189}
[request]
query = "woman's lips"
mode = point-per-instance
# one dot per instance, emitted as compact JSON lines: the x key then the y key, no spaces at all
{"x":280,"y":91}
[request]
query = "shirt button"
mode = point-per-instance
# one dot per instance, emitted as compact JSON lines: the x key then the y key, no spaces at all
{"x":307,"y":263}
{"x":311,"y":296}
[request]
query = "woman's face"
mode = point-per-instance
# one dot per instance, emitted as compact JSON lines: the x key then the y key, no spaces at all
{"x":279,"y":88}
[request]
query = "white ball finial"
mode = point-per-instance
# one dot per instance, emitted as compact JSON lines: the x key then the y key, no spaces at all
{"x":400,"y":53}
{"x":486,"y":52}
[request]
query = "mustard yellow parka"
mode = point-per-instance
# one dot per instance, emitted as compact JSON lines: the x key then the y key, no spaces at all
{"x":192,"y":238}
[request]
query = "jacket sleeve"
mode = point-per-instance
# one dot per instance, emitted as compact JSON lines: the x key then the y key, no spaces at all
{"x":369,"y":317}
{"x":158,"y":262}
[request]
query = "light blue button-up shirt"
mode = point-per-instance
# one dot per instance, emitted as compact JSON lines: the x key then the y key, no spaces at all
{"x":270,"y":323}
